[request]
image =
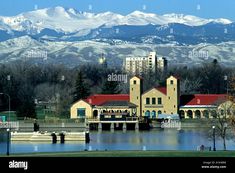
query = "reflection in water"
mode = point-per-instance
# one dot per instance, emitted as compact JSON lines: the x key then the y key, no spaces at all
{"x":157,"y":139}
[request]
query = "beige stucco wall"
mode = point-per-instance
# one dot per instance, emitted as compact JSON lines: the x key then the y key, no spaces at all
{"x":135,"y":93}
{"x":81,"y":104}
{"x":228,"y":105}
{"x":173,"y":96}
{"x":196,"y":111}
{"x":153,"y":93}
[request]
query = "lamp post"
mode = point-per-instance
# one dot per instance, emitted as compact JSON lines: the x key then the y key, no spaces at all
{"x":224,"y":135}
{"x":9,"y":118}
{"x":213,"y":127}
{"x":9,"y":105}
{"x":226,"y":79}
{"x":8,"y":141}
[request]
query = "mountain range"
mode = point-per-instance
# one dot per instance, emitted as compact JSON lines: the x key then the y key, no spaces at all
{"x":69,"y":35}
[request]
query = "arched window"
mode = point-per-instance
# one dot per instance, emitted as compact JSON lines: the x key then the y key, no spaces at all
{"x":206,"y":113}
{"x":182,"y":115}
{"x":95,"y":113}
{"x":197,"y":114}
{"x":159,"y":112}
{"x":190,"y":114}
{"x":214,"y":113}
{"x":147,"y":113}
{"x":153,"y":114}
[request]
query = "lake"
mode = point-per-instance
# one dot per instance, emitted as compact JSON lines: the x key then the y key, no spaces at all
{"x":155,"y":139}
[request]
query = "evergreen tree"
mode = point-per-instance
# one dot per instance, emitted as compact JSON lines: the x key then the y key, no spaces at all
{"x":110,"y":87}
{"x":81,"y":89}
{"x":26,"y":106}
{"x":26,"y":109}
{"x":212,"y":76}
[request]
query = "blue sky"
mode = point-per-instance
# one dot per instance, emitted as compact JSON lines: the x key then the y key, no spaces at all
{"x":201,"y":8}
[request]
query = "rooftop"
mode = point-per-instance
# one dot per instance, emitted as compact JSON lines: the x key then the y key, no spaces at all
{"x":202,"y":99}
{"x":99,"y":99}
{"x":118,"y":103}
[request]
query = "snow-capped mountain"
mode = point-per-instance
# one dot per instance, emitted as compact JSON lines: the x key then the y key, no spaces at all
{"x":71,"y":20}
{"x":75,"y":53}
{"x":71,"y":37}
{"x":60,"y":24}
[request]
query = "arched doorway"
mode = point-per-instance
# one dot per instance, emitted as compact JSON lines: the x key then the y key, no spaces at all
{"x":182,"y":114}
{"x":147,"y":113}
{"x":95,"y":113}
{"x":214,"y":113}
{"x":153,"y":114}
{"x":197,"y":114}
{"x":159,"y":112}
{"x":190,"y":114}
{"x":206,"y":113}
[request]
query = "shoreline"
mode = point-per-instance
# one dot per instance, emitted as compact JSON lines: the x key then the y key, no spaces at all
{"x":125,"y":153}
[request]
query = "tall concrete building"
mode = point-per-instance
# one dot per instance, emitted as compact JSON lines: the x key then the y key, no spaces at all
{"x":162,"y":63}
{"x":144,"y":64}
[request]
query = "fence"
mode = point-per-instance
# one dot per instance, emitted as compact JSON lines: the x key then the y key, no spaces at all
{"x":52,"y":127}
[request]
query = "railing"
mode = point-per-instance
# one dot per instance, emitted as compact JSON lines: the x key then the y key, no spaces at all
{"x":132,"y":118}
{"x":92,"y":119}
{"x":109,"y":119}
{"x":115,"y":113}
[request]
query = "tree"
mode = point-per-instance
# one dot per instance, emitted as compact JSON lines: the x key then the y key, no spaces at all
{"x":231,"y":89}
{"x":150,"y":79}
{"x":81,"y":87}
{"x":26,"y":105}
{"x":209,"y":72}
{"x":110,"y":87}
{"x":190,"y":86}
{"x":221,"y":120}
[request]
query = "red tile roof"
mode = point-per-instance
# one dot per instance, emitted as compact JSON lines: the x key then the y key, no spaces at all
{"x":138,"y":77}
{"x":176,"y":76}
{"x":99,"y":99}
{"x":201,"y":99}
{"x":162,"y":89}
{"x":185,"y":100}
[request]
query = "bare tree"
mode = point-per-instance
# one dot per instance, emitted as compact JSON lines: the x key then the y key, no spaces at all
{"x":221,"y":120}
{"x":190,"y":86}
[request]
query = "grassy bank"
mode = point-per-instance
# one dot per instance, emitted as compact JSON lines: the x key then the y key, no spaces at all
{"x":131,"y":154}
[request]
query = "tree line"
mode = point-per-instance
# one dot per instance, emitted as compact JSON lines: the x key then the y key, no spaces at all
{"x":28,"y":84}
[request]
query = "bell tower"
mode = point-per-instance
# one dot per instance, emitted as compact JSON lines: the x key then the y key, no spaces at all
{"x":173,"y":95}
{"x":136,"y":90}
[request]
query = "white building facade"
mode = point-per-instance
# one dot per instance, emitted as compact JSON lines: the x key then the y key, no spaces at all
{"x":143,"y":64}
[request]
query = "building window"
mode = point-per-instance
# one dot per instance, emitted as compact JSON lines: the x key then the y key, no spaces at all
{"x":153,"y":114}
{"x":81,"y":112}
{"x":134,"y":82}
{"x":174,"y":106}
{"x":131,"y":89}
{"x":159,"y":112}
{"x":137,"y":97}
{"x":147,"y":101}
{"x":169,"y":98}
{"x":159,"y":100}
{"x":172,"y":82}
{"x":153,"y":101}
{"x":147,"y":113}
